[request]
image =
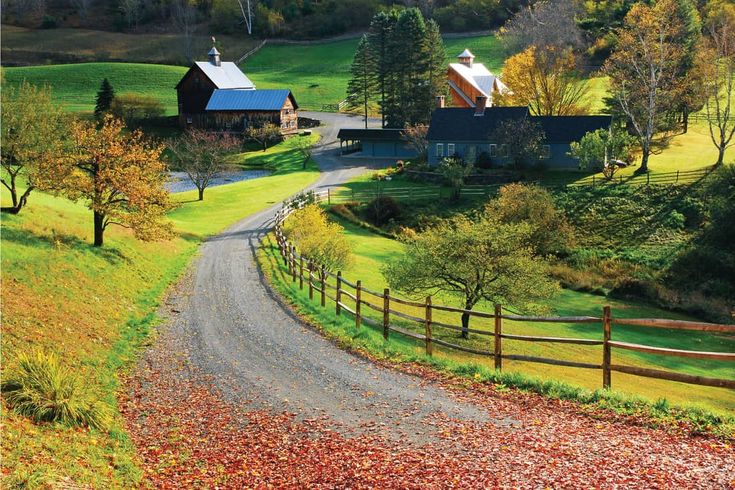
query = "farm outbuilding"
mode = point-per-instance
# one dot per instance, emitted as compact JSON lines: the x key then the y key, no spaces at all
{"x":380,"y":143}
{"x":217,"y":95}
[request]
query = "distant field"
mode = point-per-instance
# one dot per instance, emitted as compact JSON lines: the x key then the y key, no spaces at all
{"x":76,"y":86}
{"x":21,"y":46}
{"x":318,"y":73}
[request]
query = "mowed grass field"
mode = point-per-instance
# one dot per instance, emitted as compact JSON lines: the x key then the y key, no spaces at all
{"x":95,"y":307}
{"x":371,"y":251}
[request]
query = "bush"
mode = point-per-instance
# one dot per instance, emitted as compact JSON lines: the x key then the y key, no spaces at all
{"x":49,"y":22}
{"x":44,"y":391}
{"x":484,"y":160}
{"x":675,"y":220}
{"x":382,"y":209}
{"x":134,"y":108}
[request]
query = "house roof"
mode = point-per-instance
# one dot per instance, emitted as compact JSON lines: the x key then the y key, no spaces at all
{"x":460,"y":124}
{"x":249,"y":100}
{"x":370,"y":134}
{"x":466,"y":54}
{"x":565,"y":129}
{"x":479,"y":77}
{"x":227,"y":75}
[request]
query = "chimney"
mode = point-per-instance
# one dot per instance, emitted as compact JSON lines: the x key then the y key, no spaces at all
{"x":214,"y":55}
{"x":440,"y":102}
{"x":480,"y":104}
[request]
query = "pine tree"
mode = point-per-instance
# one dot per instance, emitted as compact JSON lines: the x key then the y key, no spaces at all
{"x":379,"y":36}
{"x":409,"y":63}
{"x":436,"y":63}
{"x":361,"y":87}
{"x":104,"y":99}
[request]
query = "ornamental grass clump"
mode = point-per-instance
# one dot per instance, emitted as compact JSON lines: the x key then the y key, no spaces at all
{"x":40,"y":388}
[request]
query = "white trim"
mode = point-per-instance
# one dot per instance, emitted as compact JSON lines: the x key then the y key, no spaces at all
{"x":440,"y":150}
{"x":450,"y":149}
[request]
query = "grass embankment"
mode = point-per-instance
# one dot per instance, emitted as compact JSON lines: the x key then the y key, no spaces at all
{"x":318,"y":73}
{"x":94,"y":307}
{"x":22,"y":46}
{"x":371,"y":251}
{"x":714,"y":417}
{"x":75,"y":86}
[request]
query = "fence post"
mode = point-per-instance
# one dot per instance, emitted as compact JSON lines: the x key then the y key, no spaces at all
{"x":293,"y":264}
{"x":301,"y":272}
{"x":648,"y":178}
{"x":353,"y":194}
{"x":311,"y":278}
{"x":338,"y":295}
{"x":284,"y":254}
{"x":498,"y":347}
{"x":429,"y":344}
{"x":593,"y":181}
{"x":606,"y":333}
{"x":329,"y":196}
{"x":677,"y":177}
{"x":324,"y":287}
{"x":386,"y":317}
{"x":358,"y":300}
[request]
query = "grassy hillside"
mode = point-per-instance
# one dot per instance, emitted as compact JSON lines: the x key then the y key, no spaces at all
{"x":76,"y":86}
{"x":318,"y":73}
{"x":371,"y":251}
{"x":21,"y":46}
{"x":95,"y":306}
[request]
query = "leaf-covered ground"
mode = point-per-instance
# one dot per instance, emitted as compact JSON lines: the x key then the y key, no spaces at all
{"x":189,"y":436}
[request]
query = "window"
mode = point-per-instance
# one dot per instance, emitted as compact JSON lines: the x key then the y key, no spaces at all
{"x":545,"y":152}
{"x":493,"y":151}
{"x":189,"y":120}
{"x":228,"y":126}
{"x":440,"y":150}
{"x":450,"y":149}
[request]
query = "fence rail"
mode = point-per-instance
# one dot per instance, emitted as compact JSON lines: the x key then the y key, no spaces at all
{"x":298,"y":271}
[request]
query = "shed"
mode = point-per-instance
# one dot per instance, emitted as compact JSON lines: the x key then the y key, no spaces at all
{"x":380,"y":143}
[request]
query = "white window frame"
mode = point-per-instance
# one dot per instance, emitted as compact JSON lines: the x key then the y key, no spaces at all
{"x":440,"y":150}
{"x":493,"y":152}
{"x":451,"y":150}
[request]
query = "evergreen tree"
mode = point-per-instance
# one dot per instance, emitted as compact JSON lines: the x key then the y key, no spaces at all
{"x":409,"y":63}
{"x":361,"y":87}
{"x":379,"y":37}
{"x":436,"y":61}
{"x":104,"y":99}
{"x":689,"y":93}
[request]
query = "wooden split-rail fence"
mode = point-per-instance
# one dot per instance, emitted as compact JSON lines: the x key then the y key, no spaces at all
{"x":336,"y":288}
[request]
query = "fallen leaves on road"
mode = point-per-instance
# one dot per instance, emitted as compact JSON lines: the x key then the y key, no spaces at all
{"x":189,"y":436}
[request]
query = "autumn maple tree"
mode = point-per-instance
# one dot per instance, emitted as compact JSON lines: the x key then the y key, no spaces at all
{"x":643,"y":69}
{"x":202,"y":155}
{"x":547,"y":80}
{"x":119,"y":174}
{"x":31,"y":129}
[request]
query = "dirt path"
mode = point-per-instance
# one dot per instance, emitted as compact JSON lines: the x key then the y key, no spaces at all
{"x":238,"y":392}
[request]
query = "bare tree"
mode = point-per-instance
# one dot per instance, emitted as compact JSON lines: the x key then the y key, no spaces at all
{"x":643,"y":69}
{"x":82,"y":7}
{"x":546,"y":23}
{"x":417,"y":137}
{"x":131,"y":10}
{"x":183,"y":15}
{"x":718,"y":59}
{"x":247,"y":14}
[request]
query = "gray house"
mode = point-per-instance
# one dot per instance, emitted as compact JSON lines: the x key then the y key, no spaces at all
{"x":381,"y":143}
{"x":466,"y":133}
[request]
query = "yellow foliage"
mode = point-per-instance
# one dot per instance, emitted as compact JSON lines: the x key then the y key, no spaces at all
{"x":318,"y":238}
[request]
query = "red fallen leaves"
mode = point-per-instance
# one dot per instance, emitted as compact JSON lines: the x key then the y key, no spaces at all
{"x":188,"y":436}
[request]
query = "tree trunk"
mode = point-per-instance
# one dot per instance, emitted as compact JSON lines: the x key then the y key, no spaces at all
{"x":18,"y":204}
{"x":99,"y":229}
{"x":685,"y":118}
{"x":465,"y":325}
{"x":720,"y":156}
{"x":201,"y":193}
{"x":644,"y":160}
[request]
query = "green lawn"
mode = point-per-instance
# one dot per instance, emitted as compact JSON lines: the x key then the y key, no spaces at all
{"x":94,"y":307}
{"x":371,"y":251}
{"x":318,"y":74}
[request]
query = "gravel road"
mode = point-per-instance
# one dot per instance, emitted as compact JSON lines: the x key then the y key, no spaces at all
{"x":256,"y":351}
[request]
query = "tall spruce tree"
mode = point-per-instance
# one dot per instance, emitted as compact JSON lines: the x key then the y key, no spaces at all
{"x":408,"y":59}
{"x":361,"y":87}
{"x":689,"y":94}
{"x":436,"y":64}
{"x":104,"y":99}
{"x":379,"y":37}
